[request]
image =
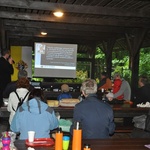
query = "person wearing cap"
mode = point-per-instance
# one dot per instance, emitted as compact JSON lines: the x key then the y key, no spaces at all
{"x":105,"y":82}
{"x":124,"y":90}
{"x":6,"y":70}
{"x":96,"y":116}
{"x":65,"y":92}
{"x":12,"y":86}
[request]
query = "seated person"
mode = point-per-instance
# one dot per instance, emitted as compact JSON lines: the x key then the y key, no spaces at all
{"x":105,"y":82}
{"x":65,"y":92}
{"x":21,"y":94}
{"x":116,"y":88}
{"x":142,"y":95}
{"x":34,"y":115}
{"x":96,"y":117}
{"x":124,"y":90}
{"x":11,"y":87}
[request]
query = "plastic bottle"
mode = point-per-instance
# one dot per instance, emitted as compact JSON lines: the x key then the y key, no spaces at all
{"x":77,"y":137}
{"x":6,"y":141}
{"x":59,"y":140}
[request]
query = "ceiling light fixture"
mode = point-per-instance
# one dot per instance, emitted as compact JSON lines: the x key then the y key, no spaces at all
{"x":58,"y":14}
{"x":44,"y":33}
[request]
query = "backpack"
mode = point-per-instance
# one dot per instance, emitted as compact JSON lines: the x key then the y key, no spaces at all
{"x":21,"y":100}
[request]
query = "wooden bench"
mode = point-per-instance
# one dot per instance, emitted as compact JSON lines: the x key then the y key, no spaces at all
{"x":123,"y":129}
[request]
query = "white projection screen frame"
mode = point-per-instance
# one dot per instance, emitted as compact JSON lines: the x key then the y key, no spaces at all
{"x":55,"y":60}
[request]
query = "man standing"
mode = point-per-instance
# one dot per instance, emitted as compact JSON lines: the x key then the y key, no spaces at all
{"x":6,"y":69}
{"x":96,"y":117}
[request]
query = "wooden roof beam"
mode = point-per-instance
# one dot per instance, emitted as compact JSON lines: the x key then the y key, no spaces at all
{"x":64,"y":26}
{"x":72,"y":8}
{"x":74,"y":20}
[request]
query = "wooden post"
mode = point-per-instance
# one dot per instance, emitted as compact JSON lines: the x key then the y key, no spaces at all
{"x":2,"y":35}
{"x":92,"y":55}
{"x":134,"y":47}
{"x":107,"y":49}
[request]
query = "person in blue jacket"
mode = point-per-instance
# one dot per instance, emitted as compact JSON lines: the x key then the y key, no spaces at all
{"x":65,"y":92}
{"x":34,"y":115}
{"x":95,"y":116}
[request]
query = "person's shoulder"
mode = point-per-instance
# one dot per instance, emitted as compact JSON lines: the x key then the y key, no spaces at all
{"x":12,"y":94}
{"x":49,"y":110}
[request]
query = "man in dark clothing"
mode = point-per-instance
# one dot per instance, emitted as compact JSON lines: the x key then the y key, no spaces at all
{"x":96,"y":117}
{"x":142,"y":94}
{"x":6,"y":70}
{"x":105,"y":82}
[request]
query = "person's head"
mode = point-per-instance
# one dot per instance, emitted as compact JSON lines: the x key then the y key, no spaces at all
{"x":36,"y":93}
{"x":117,"y":76}
{"x":22,"y":74}
{"x":89,"y":86}
{"x":23,"y":83}
{"x":143,"y":80}
{"x":104,"y":75}
{"x":5,"y":53}
{"x":65,"y":88}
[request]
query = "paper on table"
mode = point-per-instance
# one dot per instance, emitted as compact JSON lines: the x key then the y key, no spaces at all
{"x":148,"y":146}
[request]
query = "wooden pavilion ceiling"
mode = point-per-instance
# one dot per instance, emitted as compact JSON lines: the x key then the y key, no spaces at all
{"x":84,"y":22}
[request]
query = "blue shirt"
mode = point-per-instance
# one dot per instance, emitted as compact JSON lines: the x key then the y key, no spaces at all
{"x":64,"y":95}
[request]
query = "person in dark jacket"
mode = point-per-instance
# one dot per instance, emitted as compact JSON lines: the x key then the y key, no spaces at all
{"x":95,"y":116}
{"x":142,"y":94}
{"x":6,"y":70}
{"x":105,"y":82}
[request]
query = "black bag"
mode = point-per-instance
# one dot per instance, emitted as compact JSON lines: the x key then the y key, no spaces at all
{"x":21,"y":100}
{"x":147,"y":122}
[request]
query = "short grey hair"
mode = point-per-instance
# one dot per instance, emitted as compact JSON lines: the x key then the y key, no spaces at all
{"x":89,"y":86}
{"x":117,"y":74}
{"x":22,"y":74}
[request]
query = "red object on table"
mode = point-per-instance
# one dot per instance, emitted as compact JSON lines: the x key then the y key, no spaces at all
{"x":40,"y":142}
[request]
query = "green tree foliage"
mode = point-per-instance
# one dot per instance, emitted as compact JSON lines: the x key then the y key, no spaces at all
{"x":120,"y":63}
{"x":144,"y":67}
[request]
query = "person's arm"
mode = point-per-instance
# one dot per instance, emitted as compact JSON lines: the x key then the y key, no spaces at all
{"x":139,"y":96}
{"x":15,"y":126}
{"x":54,"y":121}
{"x":111,"y":123}
{"x":121,"y":90}
{"x":9,"y":107}
{"x":76,"y":118}
{"x":102,"y":82}
{"x":7,"y":67}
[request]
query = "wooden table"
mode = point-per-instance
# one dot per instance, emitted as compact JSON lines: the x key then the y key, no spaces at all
{"x":100,"y":144}
{"x":120,"y":111}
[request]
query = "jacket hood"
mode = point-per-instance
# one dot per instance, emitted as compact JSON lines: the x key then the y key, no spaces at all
{"x":35,"y":106}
